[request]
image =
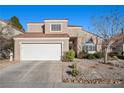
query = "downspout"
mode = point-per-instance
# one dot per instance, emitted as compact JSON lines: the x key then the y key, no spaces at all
{"x":123,"y":42}
{"x":96,"y":43}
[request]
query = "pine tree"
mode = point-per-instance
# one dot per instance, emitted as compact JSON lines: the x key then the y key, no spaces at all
{"x":15,"y":22}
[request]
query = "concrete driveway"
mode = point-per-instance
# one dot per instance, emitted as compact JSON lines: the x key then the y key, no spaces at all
{"x":31,"y":73}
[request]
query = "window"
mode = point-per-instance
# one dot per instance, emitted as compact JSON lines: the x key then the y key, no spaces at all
{"x":55,"y":27}
{"x":89,"y":48}
{"x":88,"y":45}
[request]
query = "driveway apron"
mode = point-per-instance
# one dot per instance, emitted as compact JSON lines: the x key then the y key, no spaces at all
{"x":31,"y":73}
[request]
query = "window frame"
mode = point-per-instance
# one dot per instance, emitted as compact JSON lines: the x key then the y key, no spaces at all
{"x":89,"y":47}
{"x":55,"y":24}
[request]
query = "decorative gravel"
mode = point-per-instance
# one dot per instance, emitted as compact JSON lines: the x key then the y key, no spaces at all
{"x":93,"y":72}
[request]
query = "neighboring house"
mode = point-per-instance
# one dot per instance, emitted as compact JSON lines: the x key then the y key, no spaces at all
{"x":118,"y":46}
{"x":50,"y":39}
{"x":7,"y":32}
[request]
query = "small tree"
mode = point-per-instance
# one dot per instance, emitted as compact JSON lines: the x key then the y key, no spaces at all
{"x":108,"y":28}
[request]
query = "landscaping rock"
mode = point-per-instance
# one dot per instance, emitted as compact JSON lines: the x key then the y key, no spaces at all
{"x":93,"y":72}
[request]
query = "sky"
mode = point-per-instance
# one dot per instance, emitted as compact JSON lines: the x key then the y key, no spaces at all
{"x":76,"y":14}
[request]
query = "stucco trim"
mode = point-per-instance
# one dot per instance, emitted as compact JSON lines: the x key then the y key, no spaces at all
{"x":54,"y":20}
{"x":39,"y":38}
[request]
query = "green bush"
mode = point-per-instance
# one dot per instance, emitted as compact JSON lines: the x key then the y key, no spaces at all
{"x":112,"y":54}
{"x":90,"y":56}
{"x":73,"y":66}
{"x":74,"y":71}
{"x":120,"y":56}
{"x":98,"y":55}
{"x":70,"y":55}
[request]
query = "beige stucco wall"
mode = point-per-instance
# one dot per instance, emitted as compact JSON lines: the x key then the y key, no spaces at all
{"x":64,"y":24}
{"x":75,"y":31}
{"x":65,"y":45}
{"x":96,"y":40}
{"x":16,"y":51}
{"x":35,"y":27}
{"x":123,"y":47}
{"x":82,"y":36}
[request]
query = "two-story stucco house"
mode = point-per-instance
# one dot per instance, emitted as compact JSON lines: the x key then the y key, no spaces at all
{"x":49,"y":40}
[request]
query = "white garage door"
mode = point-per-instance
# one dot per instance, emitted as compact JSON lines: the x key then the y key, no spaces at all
{"x":39,"y":52}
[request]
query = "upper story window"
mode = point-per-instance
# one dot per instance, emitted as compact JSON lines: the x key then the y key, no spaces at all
{"x":55,"y":27}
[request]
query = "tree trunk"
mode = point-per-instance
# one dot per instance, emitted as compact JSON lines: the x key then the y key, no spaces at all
{"x":106,"y":55}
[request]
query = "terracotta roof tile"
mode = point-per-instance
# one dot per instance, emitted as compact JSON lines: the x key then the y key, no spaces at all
{"x":74,"y":26}
{"x":36,"y":22}
{"x":40,"y":35}
{"x":56,"y":19}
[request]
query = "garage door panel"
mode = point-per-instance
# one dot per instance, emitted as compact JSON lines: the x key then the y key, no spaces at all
{"x":40,"y":51}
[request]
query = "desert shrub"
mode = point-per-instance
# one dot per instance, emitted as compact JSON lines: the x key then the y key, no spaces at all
{"x":112,"y":54}
{"x":73,"y":66}
{"x":90,"y":56}
{"x":98,"y":55}
{"x":69,"y":56}
{"x":2,"y":56}
{"x":120,"y":56}
{"x":6,"y":47}
{"x":82,"y":54}
{"x":74,"y":71}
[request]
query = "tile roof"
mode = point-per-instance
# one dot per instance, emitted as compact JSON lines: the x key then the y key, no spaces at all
{"x":36,"y":22}
{"x":40,"y":35}
{"x":74,"y":26}
{"x":55,"y":19}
